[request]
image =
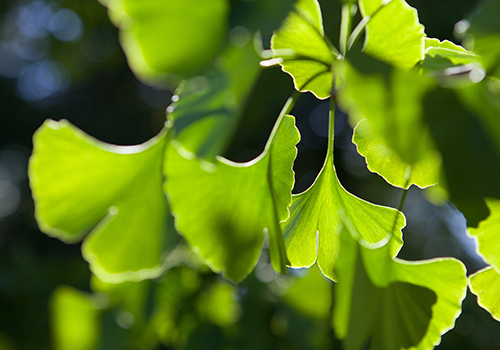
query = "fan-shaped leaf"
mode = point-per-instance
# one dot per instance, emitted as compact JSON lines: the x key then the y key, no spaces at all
{"x":81,"y":185}
{"x":486,"y":284}
{"x":394,"y":304}
{"x":312,"y":231}
{"x":385,"y":162}
{"x":305,"y":54}
{"x":393,"y":33}
{"x":222,"y":209}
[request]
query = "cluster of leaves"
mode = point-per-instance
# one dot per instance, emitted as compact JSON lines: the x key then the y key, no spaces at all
{"x":426,"y":114}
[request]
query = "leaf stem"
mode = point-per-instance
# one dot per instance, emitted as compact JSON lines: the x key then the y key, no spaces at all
{"x":400,"y":207}
{"x":284,"y":111}
{"x":345,"y":27}
{"x":362,"y":25}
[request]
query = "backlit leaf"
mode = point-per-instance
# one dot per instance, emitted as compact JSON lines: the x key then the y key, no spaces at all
{"x":394,"y":33}
{"x":440,"y":55}
{"x":313,"y":230}
{"x":223,"y":209}
{"x":300,"y":43}
{"x":486,"y":284}
{"x":385,"y":162}
{"x":394,"y":304}
{"x":81,"y":185}
{"x":173,"y":37}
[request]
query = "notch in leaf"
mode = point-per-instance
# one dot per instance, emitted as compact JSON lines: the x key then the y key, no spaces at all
{"x":81,"y":185}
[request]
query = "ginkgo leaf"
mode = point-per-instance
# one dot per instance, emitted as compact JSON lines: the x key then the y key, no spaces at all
{"x":393,"y":304}
{"x":81,"y":185}
{"x":206,"y":109}
{"x":384,"y":161}
{"x":173,"y":37}
{"x":393,"y":33}
{"x":223,"y":209}
{"x":312,"y":231}
{"x":306,"y":56}
{"x":487,"y":234}
{"x":485,"y":284}
{"x":440,"y":55}
{"x":391,"y":101}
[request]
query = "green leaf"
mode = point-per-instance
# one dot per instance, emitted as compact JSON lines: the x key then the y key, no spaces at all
{"x":483,"y":36}
{"x":306,"y":56}
{"x":464,"y":125}
{"x":173,"y":37}
{"x":393,"y":33}
{"x":75,"y":318}
{"x":487,"y":235}
{"x":486,"y":284}
{"x":222,"y":209}
{"x":81,"y":185}
{"x":206,"y":110}
{"x":312,"y":231}
{"x":440,"y":55}
{"x":395,"y":304}
{"x":385,"y":162}
{"x":391,"y":100}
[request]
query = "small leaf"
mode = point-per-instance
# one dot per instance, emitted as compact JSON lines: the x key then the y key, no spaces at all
{"x":394,"y":304}
{"x":172,"y":37}
{"x":385,"y":162}
{"x":394,"y":33}
{"x":81,"y":185}
{"x":312,"y":231}
{"x":440,"y":55}
{"x":222,"y":209}
{"x":300,"y":43}
{"x":486,"y":284}
{"x":483,"y":36}
{"x":487,"y":235}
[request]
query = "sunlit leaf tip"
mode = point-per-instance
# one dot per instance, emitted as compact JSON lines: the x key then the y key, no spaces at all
{"x":306,"y":55}
{"x":81,"y":185}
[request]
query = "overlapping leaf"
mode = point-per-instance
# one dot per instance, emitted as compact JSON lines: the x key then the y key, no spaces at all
{"x":81,"y":185}
{"x":393,"y":33}
{"x":393,"y":304}
{"x":173,"y":37}
{"x":301,"y":44}
{"x":206,"y":110}
{"x":387,"y":163}
{"x":440,"y":55}
{"x":313,"y":230}
{"x":223,"y":208}
{"x":391,"y":101}
{"x":486,"y":283}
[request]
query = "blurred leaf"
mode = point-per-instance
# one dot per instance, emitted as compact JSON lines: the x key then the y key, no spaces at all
{"x":76,"y":318}
{"x":168,"y":36}
{"x":220,"y":305}
{"x":311,"y":295}
{"x":82,"y":185}
{"x":486,"y":284}
{"x":206,"y":110}
{"x":222,"y":209}
{"x":312,"y":231}
{"x":393,"y":33}
{"x":394,"y":304}
{"x":385,"y":162}
{"x":307,"y":57}
{"x":463,"y":125}
{"x":440,"y":55}
{"x":483,"y":36}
